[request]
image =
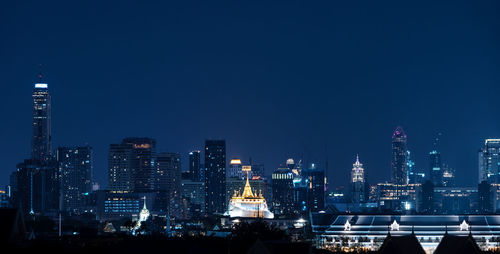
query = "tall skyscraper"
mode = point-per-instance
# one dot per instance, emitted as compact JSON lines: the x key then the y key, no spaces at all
{"x":41,"y":139}
{"x":132,"y":165}
{"x":410,"y":165}
{"x":215,"y":176}
{"x":194,"y":166}
{"x":435,"y":168}
{"x":489,"y":161}
{"x":283,"y":192}
{"x":316,"y":188}
{"x":119,"y":171}
{"x":75,"y":167}
{"x":358,"y":182}
{"x":398,"y":160}
{"x":168,"y":178}
{"x":235,"y":169}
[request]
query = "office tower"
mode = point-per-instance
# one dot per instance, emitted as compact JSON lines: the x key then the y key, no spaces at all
{"x":75,"y":167}
{"x":398,"y":160}
{"x":38,"y":187}
{"x":448,"y":178}
{"x":410,"y":164}
{"x":316,"y":188}
{"x":41,"y":140}
{"x":168,"y":178}
{"x":119,"y":168}
{"x":357,"y":182}
{"x":194,"y":166}
{"x":489,"y":161}
{"x":435,"y":168}
{"x":485,"y":197}
{"x":427,"y":198}
{"x":235,"y":169}
{"x":193,"y":196}
{"x":283,"y":192}
{"x":132,"y":165}
{"x":257,"y":171}
{"x":215,"y":176}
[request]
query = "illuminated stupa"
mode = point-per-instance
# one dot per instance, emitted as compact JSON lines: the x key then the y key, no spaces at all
{"x":248,"y":204}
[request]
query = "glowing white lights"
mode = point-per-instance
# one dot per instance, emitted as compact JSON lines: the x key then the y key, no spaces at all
{"x":347,"y":226}
{"x":394,"y":226}
{"x":41,"y":85}
{"x":464,"y":226}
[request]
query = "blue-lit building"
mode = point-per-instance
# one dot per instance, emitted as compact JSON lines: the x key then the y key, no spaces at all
{"x":435,"y":168}
{"x":398,"y":160}
{"x":367,"y":232}
{"x":215,"y":176}
{"x":75,"y":167}
{"x":283,"y":192}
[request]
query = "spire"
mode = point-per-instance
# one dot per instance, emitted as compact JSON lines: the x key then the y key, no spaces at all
{"x":357,"y":158}
{"x":247,"y":191}
{"x":144,"y":208}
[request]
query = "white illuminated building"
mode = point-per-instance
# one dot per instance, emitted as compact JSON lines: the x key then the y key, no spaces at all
{"x":248,"y":204}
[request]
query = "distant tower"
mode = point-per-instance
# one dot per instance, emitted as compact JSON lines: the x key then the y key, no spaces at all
{"x":194,"y":165}
{"x":489,"y":161}
{"x":235,"y":169}
{"x":435,"y":168}
{"x":41,"y":140}
{"x":398,"y":160}
{"x":357,"y":182}
{"x":75,"y":167}
{"x":215,"y":176}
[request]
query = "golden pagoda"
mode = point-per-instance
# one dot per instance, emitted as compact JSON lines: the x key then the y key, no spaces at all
{"x":248,"y":204}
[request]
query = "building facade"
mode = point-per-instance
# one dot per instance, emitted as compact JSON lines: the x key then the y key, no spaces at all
{"x":398,"y":159}
{"x":215,"y":176}
{"x":75,"y":167}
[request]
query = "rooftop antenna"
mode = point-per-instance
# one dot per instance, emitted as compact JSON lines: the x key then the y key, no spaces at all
{"x":436,"y":140}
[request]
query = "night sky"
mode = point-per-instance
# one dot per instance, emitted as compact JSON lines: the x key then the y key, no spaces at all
{"x":276,"y":79}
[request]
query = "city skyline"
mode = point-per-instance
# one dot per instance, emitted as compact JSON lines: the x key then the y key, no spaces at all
{"x":286,"y":109}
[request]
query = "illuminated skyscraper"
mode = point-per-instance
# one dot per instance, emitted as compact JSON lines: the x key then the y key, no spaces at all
{"x":234,"y":170}
{"x":75,"y":167}
{"x":435,"y":168}
{"x":168,"y":178}
{"x":357,"y":182}
{"x":132,"y":165}
{"x":398,"y":160}
{"x":194,"y":166}
{"x":41,"y":139}
{"x":215,"y":176}
{"x":489,"y":161}
{"x":283,"y":192}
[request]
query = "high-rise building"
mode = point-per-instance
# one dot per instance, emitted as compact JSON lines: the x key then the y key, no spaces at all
{"x":75,"y":167}
{"x":38,"y":187}
{"x":41,"y":139}
{"x":193,"y":195}
{"x":316,"y":188}
{"x":448,"y":178}
{"x":195,"y":166}
{"x":258,"y":171}
{"x":489,"y":161}
{"x":283,"y":192}
{"x":168,"y":178}
{"x":410,"y":165}
{"x":234,"y":170}
{"x":132,"y":165}
{"x":215,"y":176}
{"x":398,"y":159}
{"x":119,"y":168}
{"x":435,"y":168}
{"x":357,"y":182}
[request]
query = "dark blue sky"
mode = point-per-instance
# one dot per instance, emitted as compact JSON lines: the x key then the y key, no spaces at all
{"x":274,"y":78}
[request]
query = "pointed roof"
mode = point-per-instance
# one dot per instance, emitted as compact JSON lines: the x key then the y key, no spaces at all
{"x":401,"y":244}
{"x":399,"y":132}
{"x":247,"y":191}
{"x":457,"y":245}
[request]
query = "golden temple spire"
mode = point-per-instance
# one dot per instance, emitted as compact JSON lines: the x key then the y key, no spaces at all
{"x":247,"y":191}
